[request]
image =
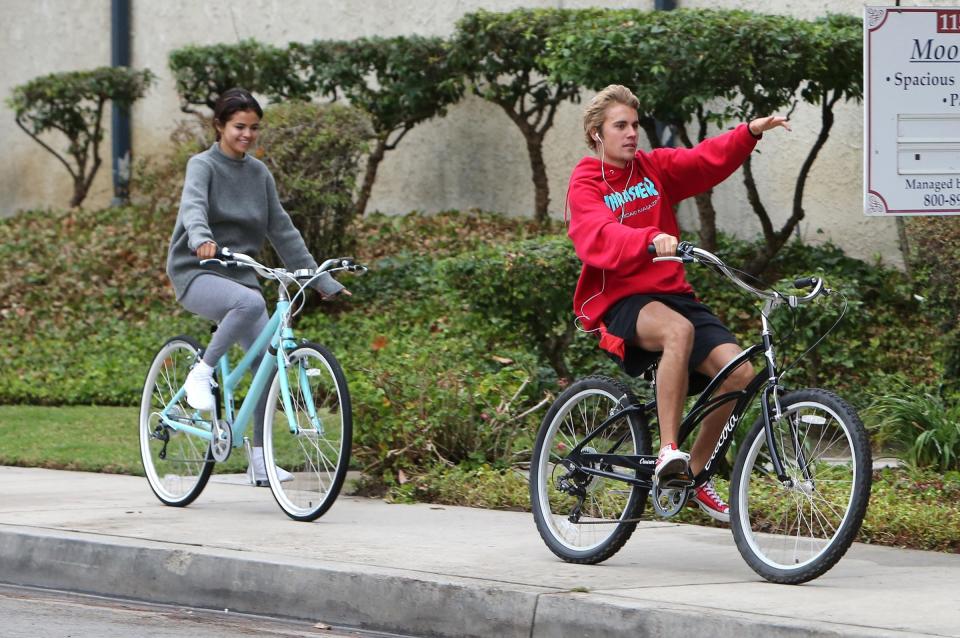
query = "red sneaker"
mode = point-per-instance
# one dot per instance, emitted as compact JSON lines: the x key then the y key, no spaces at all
{"x":709,"y":501}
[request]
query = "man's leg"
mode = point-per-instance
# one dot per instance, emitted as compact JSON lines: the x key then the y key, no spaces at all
{"x":661,"y":329}
{"x":712,"y":425}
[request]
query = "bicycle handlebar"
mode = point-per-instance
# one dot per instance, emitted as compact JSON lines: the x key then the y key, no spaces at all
{"x":688,"y":253}
{"x":229,"y":259}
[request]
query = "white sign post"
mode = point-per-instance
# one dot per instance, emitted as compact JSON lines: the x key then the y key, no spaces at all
{"x":912,"y":110}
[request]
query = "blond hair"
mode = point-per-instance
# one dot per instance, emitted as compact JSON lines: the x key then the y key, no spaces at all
{"x":596,"y":110}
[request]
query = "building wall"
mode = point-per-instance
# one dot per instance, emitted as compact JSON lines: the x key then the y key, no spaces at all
{"x":473,"y":158}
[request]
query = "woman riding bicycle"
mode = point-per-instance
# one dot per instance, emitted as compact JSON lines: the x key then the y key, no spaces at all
{"x":621,"y":201}
{"x":230,"y":200}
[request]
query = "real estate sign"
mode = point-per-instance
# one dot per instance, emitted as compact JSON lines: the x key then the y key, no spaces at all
{"x":912,"y":110}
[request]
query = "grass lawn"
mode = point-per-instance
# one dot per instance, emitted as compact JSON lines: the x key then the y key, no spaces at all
{"x":84,"y":438}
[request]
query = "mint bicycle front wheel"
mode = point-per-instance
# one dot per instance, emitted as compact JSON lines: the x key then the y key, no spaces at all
{"x":177,"y":464}
{"x":307,"y":432}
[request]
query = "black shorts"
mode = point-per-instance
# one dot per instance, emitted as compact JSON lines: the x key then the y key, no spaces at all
{"x":708,"y":333}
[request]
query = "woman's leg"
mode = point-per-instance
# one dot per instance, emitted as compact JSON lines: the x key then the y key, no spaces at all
{"x":240,"y":314}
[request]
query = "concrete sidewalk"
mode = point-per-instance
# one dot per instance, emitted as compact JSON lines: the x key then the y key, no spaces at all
{"x":439,"y":570}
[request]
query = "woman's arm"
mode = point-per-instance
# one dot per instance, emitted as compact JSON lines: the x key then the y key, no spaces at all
{"x":194,"y":204}
{"x":289,"y":244}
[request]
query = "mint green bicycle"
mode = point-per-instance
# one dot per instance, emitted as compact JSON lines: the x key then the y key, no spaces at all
{"x":307,"y":426}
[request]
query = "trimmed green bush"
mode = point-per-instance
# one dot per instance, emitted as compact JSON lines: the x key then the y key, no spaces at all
{"x":73,"y":104}
{"x":314,"y":152}
{"x":202,"y":73}
{"x":400,"y":81}
{"x":524,"y":288}
{"x":502,"y":54}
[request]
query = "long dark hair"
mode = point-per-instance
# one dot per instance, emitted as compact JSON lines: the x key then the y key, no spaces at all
{"x":231,"y":101}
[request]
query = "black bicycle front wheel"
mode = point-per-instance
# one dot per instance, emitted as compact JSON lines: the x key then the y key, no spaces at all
{"x":795,"y":531}
{"x":606,"y":517}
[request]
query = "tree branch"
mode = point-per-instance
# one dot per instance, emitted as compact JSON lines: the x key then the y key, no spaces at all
{"x":48,"y":148}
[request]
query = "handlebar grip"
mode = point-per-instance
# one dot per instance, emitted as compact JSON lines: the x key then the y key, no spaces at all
{"x":805,"y":282}
{"x":222,"y":253}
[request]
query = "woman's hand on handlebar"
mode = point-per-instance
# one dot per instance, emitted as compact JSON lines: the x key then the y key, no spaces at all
{"x":342,"y":291}
{"x":666,"y":245}
{"x":207,"y":250}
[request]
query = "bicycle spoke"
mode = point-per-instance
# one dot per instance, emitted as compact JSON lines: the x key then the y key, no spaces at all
{"x":174,"y":461}
{"x":315,"y":455}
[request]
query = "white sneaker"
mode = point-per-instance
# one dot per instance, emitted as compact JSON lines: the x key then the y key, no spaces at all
{"x":670,"y":462}
{"x":198,"y":385}
{"x":258,"y":470}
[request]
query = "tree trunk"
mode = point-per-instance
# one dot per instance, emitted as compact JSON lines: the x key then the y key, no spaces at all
{"x":553,"y":349}
{"x":79,"y":191}
{"x":370,"y":175}
{"x":705,"y":210}
{"x":708,"y":220}
{"x":540,"y":185}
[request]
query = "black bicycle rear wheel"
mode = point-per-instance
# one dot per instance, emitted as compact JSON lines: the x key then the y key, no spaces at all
{"x":604,"y":524}
{"x":794,"y":533}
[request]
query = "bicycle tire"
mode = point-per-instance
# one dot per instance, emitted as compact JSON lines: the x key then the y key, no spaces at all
{"x":181,"y":471}
{"x":578,"y":410}
{"x":793,"y":534}
{"x":318,"y":454}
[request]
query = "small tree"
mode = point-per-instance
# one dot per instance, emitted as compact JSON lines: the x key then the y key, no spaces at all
{"x":828,"y":63}
{"x":313,"y":151}
{"x":502,"y":54}
{"x":203,"y":73}
{"x":398,"y":81}
{"x":73,"y":103}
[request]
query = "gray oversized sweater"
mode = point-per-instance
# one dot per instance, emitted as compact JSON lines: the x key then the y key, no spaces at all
{"x":234,"y":203}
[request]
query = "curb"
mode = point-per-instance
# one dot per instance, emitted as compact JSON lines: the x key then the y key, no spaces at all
{"x":345,"y":594}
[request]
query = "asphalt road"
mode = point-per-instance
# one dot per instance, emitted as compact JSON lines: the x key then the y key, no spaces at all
{"x":28,"y":613}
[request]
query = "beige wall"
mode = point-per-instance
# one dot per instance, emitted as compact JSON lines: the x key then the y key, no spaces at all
{"x":473,"y":158}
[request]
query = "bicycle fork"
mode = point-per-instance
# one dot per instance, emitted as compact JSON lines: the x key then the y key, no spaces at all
{"x":303,"y":384}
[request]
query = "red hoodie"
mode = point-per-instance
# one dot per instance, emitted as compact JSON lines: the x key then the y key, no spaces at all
{"x":612,"y":221}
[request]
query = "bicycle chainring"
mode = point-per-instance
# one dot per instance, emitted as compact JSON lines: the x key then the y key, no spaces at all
{"x":222,"y":442}
{"x":668,"y":501}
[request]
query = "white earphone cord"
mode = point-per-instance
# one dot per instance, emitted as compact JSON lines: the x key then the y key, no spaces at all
{"x":603,"y":273}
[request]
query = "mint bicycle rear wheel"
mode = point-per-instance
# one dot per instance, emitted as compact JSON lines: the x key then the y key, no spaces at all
{"x":177,"y":464}
{"x":316,"y":450}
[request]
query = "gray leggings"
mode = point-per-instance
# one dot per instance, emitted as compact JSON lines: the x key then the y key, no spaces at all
{"x":240,"y":314}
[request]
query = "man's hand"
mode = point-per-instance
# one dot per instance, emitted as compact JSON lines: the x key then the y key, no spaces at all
{"x":758,"y":126}
{"x":666,"y":245}
{"x":207,"y":250}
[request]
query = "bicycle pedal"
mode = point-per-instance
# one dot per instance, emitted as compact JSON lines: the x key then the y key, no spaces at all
{"x":676,"y":482}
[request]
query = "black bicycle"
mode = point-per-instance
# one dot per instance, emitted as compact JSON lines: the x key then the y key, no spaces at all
{"x":800,"y":483}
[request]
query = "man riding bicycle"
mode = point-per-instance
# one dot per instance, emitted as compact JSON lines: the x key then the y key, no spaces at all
{"x":621,"y":200}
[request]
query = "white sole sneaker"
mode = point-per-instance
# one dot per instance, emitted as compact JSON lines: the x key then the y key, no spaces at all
{"x":198,"y":389}
{"x":257,"y":471}
{"x":712,"y":513}
{"x":282,"y":474}
{"x":673,"y":463}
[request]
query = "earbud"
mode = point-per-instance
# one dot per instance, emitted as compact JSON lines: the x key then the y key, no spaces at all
{"x":596,"y":136}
